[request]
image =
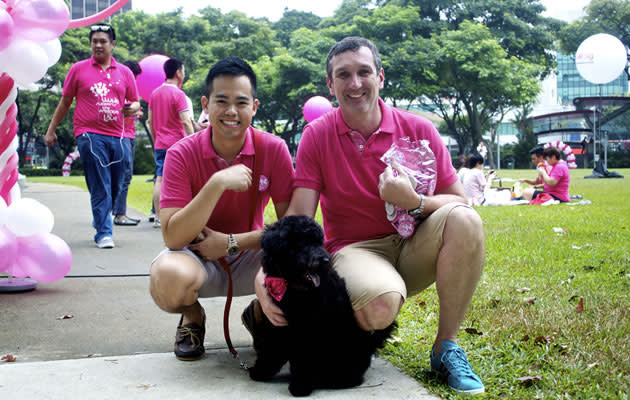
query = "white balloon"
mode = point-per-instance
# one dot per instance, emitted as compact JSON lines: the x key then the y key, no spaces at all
{"x":601,"y":58}
{"x":53,"y":50}
{"x":25,"y":217}
{"x":4,"y":107}
{"x":8,"y":152}
{"x":28,"y":61}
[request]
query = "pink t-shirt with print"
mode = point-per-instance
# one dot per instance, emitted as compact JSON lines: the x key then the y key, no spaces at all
{"x":344,"y":168}
{"x":559,"y":172}
{"x":167,"y":101}
{"x":192,"y":161}
{"x":100,"y":96}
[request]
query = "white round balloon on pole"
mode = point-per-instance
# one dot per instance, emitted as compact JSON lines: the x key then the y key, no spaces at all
{"x":601,"y":58}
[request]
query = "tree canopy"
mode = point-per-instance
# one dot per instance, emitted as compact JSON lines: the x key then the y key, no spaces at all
{"x":470,"y":61}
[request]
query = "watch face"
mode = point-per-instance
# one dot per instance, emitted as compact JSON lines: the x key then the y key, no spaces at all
{"x":232,"y":250}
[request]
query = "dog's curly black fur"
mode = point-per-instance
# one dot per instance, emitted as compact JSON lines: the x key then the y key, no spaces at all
{"x":323,"y":343}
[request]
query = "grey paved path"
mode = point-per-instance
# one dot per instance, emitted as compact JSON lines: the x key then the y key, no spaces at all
{"x":118,"y":344}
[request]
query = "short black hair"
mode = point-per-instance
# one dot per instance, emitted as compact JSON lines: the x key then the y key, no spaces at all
{"x":171,"y":66}
{"x":474,"y":159}
{"x":102,"y":27}
{"x":352,"y":43}
{"x":538,"y":150}
{"x":231,"y":66}
{"x":134,"y":67}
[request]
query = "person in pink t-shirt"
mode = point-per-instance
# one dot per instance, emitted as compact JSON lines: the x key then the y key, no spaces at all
{"x":338,"y":164}
{"x":169,"y":120}
{"x":556,"y":181}
{"x":207,"y":199}
{"x":106,"y":92}
{"x":120,"y":202}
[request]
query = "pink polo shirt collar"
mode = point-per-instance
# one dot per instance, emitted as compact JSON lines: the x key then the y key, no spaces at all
{"x":208,"y":152}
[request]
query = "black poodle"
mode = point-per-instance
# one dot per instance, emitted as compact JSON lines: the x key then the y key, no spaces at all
{"x":322,"y":342}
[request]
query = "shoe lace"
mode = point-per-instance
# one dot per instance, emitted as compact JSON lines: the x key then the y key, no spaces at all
{"x":456,"y":363}
{"x":184,"y":331}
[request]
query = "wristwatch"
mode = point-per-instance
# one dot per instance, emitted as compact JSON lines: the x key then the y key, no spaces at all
{"x":232,"y":245}
{"x":417,"y":212}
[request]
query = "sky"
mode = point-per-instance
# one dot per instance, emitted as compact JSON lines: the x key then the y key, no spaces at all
{"x":273,"y":9}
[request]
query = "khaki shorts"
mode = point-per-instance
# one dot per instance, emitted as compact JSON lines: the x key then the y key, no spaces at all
{"x":393,"y":264}
{"x":243,"y":269}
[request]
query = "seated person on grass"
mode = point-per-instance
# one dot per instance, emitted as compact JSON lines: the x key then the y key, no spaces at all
{"x":475,"y":181}
{"x":555,"y":181}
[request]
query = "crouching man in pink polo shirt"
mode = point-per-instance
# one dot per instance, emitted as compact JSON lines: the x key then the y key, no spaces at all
{"x":338,"y":163}
{"x":102,"y":87}
{"x":208,"y":189}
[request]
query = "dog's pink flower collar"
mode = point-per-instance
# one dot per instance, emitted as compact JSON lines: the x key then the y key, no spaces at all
{"x":276,"y":287}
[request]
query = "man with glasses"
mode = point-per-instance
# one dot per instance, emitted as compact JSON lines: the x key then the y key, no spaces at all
{"x":106,"y":92}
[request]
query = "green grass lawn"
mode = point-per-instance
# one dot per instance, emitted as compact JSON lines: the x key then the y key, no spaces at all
{"x":567,"y":353}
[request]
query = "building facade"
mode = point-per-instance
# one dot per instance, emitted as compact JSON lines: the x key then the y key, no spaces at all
{"x":572,"y":85}
{"x":85,"y":8}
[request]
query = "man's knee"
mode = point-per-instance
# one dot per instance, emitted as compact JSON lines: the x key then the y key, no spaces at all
{"x":464,"y":225}
{"x":175,"y":280}
{"x":380,"y":312}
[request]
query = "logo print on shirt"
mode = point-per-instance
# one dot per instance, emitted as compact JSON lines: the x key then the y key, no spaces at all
{"x":263,"y":184}
{"x":99,"y":89}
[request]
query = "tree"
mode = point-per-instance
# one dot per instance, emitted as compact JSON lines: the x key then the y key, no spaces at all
{"x":291,"y":21}
{"x":602,"y":16}
{"x":476,"y":82}
{"x":287,"y":80}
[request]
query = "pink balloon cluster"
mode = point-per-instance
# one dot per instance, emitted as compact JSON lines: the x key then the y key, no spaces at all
{"x":315,"y":107}
{"x":29,"y":32}
{"x":26,"y":244}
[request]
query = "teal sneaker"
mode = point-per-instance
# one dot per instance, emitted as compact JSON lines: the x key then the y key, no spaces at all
{"x":452,"y":363}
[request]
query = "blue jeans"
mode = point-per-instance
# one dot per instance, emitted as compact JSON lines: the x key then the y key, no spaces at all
{"x":120,"y":202}
{"x":103,"y":163}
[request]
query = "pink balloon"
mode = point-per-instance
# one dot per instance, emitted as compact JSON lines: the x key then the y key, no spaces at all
{"x":8,"y":248}
{"x":44,"y":257}
{"x":152,"y":75}
{"x":5,"y":190}
{"x":15,"y":270}
{"x":6,"y":29}
{"x":108,"y":12}
{"x":6,"y":139}
{"x":40,"y":20}
{"x":315,"y":107}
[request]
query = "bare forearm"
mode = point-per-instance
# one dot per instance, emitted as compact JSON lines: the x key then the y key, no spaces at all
{"x":185,"y":224}
{"x":59,"y":114}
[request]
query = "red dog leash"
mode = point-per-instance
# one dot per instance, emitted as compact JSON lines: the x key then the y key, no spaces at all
{"x":226,"y":266}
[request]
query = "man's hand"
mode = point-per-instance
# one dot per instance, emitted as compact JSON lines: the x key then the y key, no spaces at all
{"x":50,"y":138}
{"x":394,"y":187}
{"x":212,"y":247}
{"x":237,"y":177}
{"x":271,"y":309}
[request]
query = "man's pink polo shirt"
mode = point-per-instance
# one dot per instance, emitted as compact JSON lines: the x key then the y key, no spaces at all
{"x":344,"y":169}
{"x":100,"y":96}
{"x":167,"y":101}
{"x":192,"y":161}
